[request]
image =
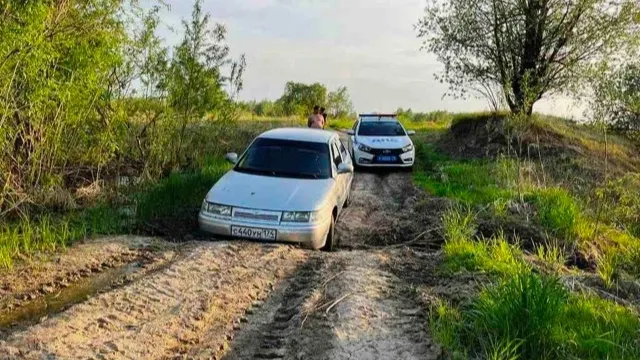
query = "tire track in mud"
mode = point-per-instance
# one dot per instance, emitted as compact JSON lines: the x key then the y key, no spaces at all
{"x":163,"y":315}
{"x":274,"y":331}
{"x":337,"y":306}
{"x":376,"y":318}
{"x":387,"y":209}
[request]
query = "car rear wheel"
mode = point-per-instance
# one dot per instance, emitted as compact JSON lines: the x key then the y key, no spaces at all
{"x":330,"y":243}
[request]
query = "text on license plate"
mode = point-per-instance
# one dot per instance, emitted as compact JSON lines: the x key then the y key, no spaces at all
{"x":383,"y":158}
{"x":253,"y":233}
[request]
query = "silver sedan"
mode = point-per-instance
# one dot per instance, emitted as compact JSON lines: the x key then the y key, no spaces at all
{"x":290,"y":185}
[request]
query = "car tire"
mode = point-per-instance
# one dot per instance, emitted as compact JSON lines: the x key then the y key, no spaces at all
{"x":330,"y":242}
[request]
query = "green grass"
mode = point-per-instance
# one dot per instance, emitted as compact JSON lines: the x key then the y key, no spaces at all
{"x":558,"y":211}
{"x":27,"y":237}
{"x":463,"y":251}
{"x":179,"y":195}
{"x":552,"y":253}
{"x":593,"y":328}
{"x":471,"y":182}
{"x":608,"y":268}
{"x":529,"y":316}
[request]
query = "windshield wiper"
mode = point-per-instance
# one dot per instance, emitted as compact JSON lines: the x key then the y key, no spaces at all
{"x":255,"y":171}
{"x":297,"y":175}
{"x":277,"y":173}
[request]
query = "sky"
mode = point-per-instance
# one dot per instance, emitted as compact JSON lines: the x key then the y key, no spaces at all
{"x":369,"y":46}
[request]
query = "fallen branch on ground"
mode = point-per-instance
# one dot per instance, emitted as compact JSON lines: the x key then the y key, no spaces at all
{"x":418,"y":237}
{"x":336,"y":303}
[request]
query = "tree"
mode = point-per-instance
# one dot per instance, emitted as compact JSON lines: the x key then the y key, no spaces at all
{"x":195,"y":81}
{"x":339,"y":103}
{"x":616,"y":99}
{"x":57,"y":62}
{"x":299,"y":98}
{"x":524,"y":49}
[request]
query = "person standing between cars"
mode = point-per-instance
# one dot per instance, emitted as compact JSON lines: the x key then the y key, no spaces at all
{"x":316,"y":121}
{"x":324,"y":117}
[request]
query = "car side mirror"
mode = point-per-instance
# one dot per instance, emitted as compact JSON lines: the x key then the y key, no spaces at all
{"x":350,"y":132}
{"x":411,"y":132}
{"x":232,"y":158}
{"x":345,"y":168}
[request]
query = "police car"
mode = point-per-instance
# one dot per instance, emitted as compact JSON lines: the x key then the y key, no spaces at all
{"x":380,"y":140}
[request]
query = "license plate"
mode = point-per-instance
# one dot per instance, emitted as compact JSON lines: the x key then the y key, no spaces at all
{"x":387,"y":158}
{"x":253,"y":233}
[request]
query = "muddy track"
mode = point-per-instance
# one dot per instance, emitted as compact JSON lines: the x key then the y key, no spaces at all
{"x":237,"y":300}
{"x":386,"y":209}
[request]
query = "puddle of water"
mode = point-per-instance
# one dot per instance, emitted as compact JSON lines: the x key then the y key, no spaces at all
{"x":32,"y":312}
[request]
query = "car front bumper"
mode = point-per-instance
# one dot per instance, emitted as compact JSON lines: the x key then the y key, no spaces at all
{"x":309,"y":235}
{"x":365,"y":159}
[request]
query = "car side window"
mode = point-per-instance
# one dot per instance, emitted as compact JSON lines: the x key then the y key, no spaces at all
{"x":343,"y":151}
{"x":355,"y":125}
{"x":337,"y":159}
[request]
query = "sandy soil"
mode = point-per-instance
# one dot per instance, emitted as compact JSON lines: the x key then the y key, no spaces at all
{"x":238,"y":300}
{"x":41,"y":276}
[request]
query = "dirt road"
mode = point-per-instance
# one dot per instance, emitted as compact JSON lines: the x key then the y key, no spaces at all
{"x":237,"y":300}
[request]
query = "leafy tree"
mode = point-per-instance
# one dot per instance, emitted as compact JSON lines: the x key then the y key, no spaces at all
{"x":195,"y":81}
{"x":339,"y":103}
{"x":524,"y":49}
{"x":57,"y":75}
{"x":299,"y":98}
{"x":616,"y":99}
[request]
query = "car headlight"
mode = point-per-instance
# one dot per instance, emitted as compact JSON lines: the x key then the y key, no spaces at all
{"x":299,"y":216}
{"x":407,"y":148}
{"x":216,"y":209}
{"x":363,"y":147}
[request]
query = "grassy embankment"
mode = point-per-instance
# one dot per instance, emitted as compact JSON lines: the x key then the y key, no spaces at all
{"x":165,"y":207}
{"x":565,"y":208}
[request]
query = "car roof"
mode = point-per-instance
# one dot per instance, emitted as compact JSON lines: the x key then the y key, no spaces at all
{"x":299,"y":134}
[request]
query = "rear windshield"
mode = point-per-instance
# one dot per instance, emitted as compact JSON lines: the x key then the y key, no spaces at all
{"x":381,"y":128}
{"x":285,"y":158}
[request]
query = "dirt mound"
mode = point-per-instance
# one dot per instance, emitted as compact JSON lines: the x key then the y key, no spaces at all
{"x":475,"y":137}
{"x":568,"y":145}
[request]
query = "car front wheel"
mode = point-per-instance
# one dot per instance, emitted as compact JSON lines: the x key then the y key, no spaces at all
{"x":330,"y":243}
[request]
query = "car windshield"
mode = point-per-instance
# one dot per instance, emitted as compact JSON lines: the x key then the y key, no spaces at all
{"x":286,"y":158}
{"x":381,"y":128}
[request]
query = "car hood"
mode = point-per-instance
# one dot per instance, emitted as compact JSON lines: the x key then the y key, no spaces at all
{"x":384,"y":142}
{"x":270,"y":193}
